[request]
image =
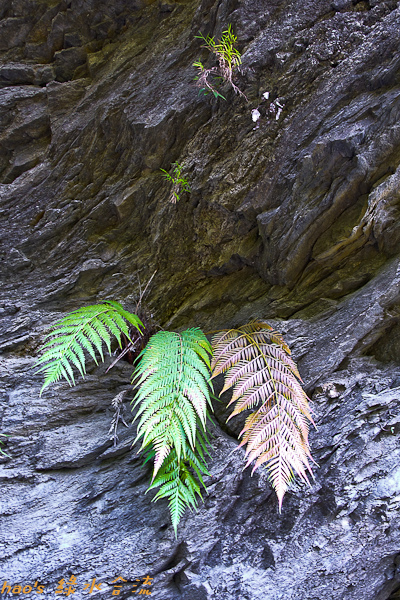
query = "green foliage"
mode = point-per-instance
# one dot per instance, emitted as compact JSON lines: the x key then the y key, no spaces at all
{"x":257,"y":364}
{"x":228,"y":56}
{"x":179,"y":183}
{"x":2,"y":451}
{"x":173,"y":396}
{"x":180,"y":479}
{"x":203,"y":82}
{"x":83,"y":329}
{"x":229,"y":59}
{"x":173,"y":392}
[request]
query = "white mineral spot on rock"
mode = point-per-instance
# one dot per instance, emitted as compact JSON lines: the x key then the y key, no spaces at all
{"x":68,"y":539}
{"x":390,"y":485}
{"x":345,"y":523}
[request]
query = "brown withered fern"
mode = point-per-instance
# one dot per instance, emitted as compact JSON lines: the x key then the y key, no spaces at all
{"x":257,"y":364}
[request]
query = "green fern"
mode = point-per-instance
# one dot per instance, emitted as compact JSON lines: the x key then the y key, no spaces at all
{"x":173,"y":399}
{"x":173,"y":394}
{"x":180,"y":480}
{"x":2,"y":451}
{"x":83,"y":329}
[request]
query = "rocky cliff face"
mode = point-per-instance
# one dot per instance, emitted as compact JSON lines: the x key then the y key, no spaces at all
{"x":295,"y":220}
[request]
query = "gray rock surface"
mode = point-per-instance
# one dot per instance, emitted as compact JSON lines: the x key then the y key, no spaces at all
{"x":294,"y":220}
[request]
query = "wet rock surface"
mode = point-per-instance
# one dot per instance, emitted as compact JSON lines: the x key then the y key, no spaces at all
{"x":294,"y":220}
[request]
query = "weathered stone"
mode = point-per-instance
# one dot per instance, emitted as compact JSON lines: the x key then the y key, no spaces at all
{"x":13,"y":32}
{"x":296,"y":219}
{"x":11,"y":74}
{"x":67,"y":61}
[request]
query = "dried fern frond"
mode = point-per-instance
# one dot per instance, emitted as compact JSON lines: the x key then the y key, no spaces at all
{"x":83,"y":329}
{"x":257,"y":364}
{"x":173,"y":393}
{"x":118,"y":406}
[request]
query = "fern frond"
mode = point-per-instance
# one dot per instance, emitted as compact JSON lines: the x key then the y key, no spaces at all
{"x":173,"y":399}
{"x":83,"y":329}
{"x":174,"y":392}
{"x":178,"y":484}
{"x":257,"y":365}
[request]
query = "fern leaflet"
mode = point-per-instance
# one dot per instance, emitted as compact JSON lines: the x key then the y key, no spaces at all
{"x":257,"y":364}
{"x":178,"y":483}
{"x":83,"y":329}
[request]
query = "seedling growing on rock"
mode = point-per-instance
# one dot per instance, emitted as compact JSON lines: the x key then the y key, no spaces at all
{"x":204,"y":83}
{"x":229,"y":59}
{"x":179,"y":183}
